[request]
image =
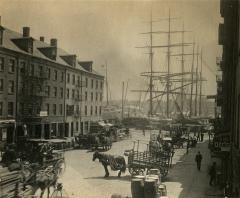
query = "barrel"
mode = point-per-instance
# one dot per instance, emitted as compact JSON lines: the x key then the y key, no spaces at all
{"x":137,"y":188}
{"x":162,"y":190}
{"x":154,"y":177}
{"x":142,"y":177}
{"x":150,"y":188}
{"x":155,"y":171}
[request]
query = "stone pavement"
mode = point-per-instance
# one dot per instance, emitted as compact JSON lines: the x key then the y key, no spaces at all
{"x":185,"y":181}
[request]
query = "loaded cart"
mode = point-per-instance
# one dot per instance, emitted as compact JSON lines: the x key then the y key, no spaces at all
{"x":139,"y":161}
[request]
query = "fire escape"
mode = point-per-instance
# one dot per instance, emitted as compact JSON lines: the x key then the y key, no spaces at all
{"x":32,"y":92}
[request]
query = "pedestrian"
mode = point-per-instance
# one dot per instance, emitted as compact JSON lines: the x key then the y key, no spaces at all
{"x":198,"y":159}
{"x":198,"y":136}
{"x":202,"y":136}
{"x":213,"y":174}
{"x":227,"y":191}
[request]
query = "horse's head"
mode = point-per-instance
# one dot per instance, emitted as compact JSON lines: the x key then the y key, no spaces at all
{"x":95,"y":155}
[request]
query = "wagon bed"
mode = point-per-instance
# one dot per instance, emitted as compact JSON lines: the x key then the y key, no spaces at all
{"x":139,"y":161}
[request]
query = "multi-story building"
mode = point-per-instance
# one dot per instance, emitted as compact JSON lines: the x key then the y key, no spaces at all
{"x":229,"y":92}
{"x":42,"y":88}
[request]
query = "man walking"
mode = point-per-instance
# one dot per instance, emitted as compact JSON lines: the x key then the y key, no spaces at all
{"x":212,"y":173}
{"x":198,"y":159}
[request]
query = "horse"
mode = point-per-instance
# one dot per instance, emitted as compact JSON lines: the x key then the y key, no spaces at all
{"x":115,"y":162}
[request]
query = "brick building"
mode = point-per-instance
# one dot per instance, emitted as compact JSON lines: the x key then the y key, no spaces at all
{"x":229,"y":91}
{"x":44,"y":87}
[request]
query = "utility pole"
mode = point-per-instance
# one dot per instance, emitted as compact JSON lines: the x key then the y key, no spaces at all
{"x":122,"y":99}
{"x":200,"y":94}
{"x":192,"y":72}
{"x":196,"y":96}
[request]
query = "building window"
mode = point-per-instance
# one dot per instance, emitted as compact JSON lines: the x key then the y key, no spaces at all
{"x":85,"y":110}
{"x":101,"y":97}
{"x":62,"y":77}
{"x":96,"y":84}
{"x":31,"y":69}
{"x":67,"y":93}
{"x":1,"y":108}
{"x":49,"y":73}
{"x":60,"y":109}
{"x":10,"y":108}
{"x":54,"y":109}
{"x":101,"y":85}
{"x":86,"y":82}
{"x":77,"y":126}
{"x":92,"y":83}
{"x":55,"y":74}
{"x":91,"y":96}
{"x":96,"y":96}
{"x":47,"y":108}
{"x":96,"y":110}
{"x":55,"y":92}
{"x":78,"y":96}
{"x":23,"y":68}
{"x":11,"y":66}
{"x":61,"y":92}
{"x":70,"y":110}
{"x":1,"y":64}
{"x":77,"y":109}
{"x":91,"y":110}
{"x":86,"y":96}
{"x":100,"y":110}
{"x":1,"y":84}
{"x":78,"y":81}
{"x":10,"y":87}
{"x":47,"y":90}
{"x":40,"y":70}
{"x":68,"y":78}
{"x":73,"y":94}
{"x":73,"y":79}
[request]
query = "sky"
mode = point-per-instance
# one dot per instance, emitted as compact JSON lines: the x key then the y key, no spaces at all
{"x":109,"y":32}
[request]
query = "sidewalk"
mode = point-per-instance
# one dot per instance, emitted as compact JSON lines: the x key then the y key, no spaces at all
{"x":185,"y":181}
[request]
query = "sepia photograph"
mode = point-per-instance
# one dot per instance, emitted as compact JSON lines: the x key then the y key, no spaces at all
{"x":119,"y":99}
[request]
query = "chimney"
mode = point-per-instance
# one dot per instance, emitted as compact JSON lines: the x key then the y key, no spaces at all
{"x":42,"y":38}
{"x":26,"y":31}
{"x":53,"y":42}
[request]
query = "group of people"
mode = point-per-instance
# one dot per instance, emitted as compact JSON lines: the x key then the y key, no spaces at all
{"x":212,"y":172}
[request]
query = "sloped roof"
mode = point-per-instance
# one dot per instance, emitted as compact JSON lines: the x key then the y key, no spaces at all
{"x":8,"y":35}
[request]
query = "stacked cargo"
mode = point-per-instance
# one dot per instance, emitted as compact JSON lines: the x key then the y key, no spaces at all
{"x":148,"y":186}
{"x":10,"y":183}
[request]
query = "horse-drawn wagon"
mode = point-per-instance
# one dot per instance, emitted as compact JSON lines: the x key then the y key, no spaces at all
{"x":94,"y":141}
{"x":139,"y":161}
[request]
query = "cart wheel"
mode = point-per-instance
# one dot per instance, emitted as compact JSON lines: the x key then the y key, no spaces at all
{"x":60,"y":167}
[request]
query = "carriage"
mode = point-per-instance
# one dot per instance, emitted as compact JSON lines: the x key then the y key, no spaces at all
{"x":139,"y":161}
{"x":94,"y":141}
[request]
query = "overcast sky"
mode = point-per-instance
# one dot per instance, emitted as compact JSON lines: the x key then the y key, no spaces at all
{"x":110,"y":31}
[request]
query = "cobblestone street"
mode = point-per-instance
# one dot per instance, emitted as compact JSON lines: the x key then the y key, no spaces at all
{"x":84,"y":178}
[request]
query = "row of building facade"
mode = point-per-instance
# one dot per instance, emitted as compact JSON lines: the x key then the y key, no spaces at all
{"x":45,"y":91}
{"x":228,"y":94}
